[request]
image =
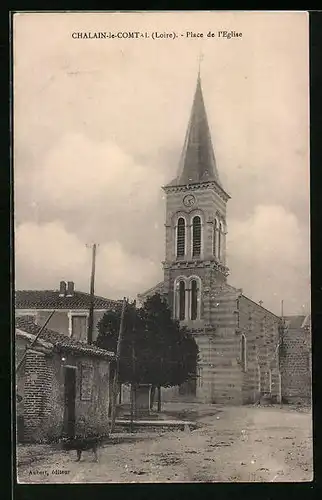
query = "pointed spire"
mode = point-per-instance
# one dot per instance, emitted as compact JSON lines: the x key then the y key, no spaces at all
{"x":197,"y":162}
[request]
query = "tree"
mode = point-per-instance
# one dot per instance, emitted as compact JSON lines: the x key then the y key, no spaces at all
{"x":165,"y":353}
{"x":176,"y":350}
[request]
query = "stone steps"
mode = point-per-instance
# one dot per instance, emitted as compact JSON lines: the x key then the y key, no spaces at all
{"x":157,"y":424}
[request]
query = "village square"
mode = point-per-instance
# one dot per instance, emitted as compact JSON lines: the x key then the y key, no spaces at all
{"x":244,"y":401}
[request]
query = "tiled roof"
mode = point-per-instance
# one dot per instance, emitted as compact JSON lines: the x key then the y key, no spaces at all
{"x":49,"y":299}
{"x":158,"y":288}
{"x":58,"y":340}
{"x":294,"y":321}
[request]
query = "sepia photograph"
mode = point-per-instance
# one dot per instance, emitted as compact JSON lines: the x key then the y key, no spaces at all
{"x":162,"y":315}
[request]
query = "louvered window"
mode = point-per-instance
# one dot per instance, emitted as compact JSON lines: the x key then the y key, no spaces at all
{"x":181,"y":237}
{"x":196,"y":236}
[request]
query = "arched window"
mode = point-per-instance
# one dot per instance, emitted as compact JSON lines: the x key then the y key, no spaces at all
{"x":181,"y":237}
{"x":196,"y":236}
{"x":215,"y":238}
{"x":194,"y":299}
{"x":243,"y":353}
{"x":220,"y":241}
{"x":182,"y":300}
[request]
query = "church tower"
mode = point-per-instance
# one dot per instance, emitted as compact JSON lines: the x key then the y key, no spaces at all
{"x":196,"y":228}
{"x":237,"y":338}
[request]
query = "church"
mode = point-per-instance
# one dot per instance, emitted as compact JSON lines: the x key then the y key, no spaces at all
{"x":239,"y":340}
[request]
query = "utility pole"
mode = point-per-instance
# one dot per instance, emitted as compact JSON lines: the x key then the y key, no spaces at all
{"x":133,"y":384}
{"x":282,"y":309}
{"x":91,"y":304}
{"x":117,"y":367}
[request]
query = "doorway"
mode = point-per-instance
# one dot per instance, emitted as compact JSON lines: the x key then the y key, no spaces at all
{"x":70,"y":397}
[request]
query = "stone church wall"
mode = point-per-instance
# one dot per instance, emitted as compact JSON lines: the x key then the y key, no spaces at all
{"x":261,"y":330}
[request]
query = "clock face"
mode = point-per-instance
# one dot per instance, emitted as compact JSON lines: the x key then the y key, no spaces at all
{"x":189,"y":200}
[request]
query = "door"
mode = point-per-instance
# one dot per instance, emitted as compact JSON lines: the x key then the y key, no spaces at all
{"x":70,"y":396}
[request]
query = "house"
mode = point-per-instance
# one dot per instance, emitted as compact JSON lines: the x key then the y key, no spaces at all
{"x":62,"y":384}
{"x":238,"y":338}
{"x":296,"y":359}
{"x":71,"y":306}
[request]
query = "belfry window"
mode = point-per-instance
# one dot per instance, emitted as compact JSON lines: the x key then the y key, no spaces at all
{"x":194,"y":299}
{"x":182,"y":300}
{"x":196,"y":236}
{"x":243,"y":353}
{"x":181,"y":237}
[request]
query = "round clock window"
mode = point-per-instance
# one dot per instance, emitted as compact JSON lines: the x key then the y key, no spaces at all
{"x":189,"y":200}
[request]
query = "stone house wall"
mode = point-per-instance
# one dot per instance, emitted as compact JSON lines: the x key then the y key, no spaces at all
{"x":60,"y":320}
{"x":42,"y":378}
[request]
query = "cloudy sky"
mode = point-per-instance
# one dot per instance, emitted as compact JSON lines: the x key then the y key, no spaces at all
{"x":98,"y":129}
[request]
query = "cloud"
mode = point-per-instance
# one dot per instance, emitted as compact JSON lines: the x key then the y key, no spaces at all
{"x":98,"y":190}
{"x":79,"y":171}
{"x":47,"y":253}
{"x":269,"y":258}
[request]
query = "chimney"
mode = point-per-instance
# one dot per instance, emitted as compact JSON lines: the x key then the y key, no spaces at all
{"x":62,"y":289}
{"x":70,"y":289}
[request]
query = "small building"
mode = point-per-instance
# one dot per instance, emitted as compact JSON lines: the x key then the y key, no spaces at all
{"x":296,"y":359}
{"x":71,"y":306}
{"x":62,"y":385}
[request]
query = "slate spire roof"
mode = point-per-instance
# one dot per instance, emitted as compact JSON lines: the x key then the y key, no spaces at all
{"x":197,"y":163}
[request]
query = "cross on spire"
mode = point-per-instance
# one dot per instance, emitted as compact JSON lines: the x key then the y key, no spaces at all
{"x":200,"y":58}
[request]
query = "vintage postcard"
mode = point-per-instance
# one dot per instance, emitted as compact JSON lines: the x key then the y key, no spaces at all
{"x":162,"y":284}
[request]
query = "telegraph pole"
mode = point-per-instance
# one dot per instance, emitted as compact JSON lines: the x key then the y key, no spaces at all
{"x":117,"y":367}
{"x":133,"y":384}
{"x":91,"y":304}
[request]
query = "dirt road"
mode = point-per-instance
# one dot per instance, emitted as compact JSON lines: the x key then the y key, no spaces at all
{"x":243,"y":444}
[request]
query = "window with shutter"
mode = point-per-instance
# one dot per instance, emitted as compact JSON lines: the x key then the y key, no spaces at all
{"x":79,"y":328}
